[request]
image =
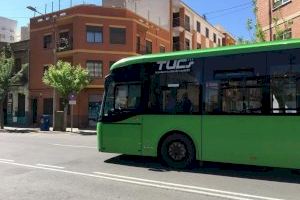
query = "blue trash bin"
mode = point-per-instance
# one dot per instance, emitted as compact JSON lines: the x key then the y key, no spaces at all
{"x":45,"y":123}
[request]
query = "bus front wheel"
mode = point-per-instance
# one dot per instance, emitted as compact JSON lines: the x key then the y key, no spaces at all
{"x":178,"y":151}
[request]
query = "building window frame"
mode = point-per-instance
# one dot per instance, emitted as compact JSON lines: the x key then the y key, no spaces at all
{"x":47,"y":41}
{"x":121,"y":36}
{"x":95,"y":68}
{"x":94,"y":34}
{"x":279,"y":3}
{"x":162,"y":48}
{"x":149,"y":46}
{"x":198,"y":27}
{"x":207,"y":32}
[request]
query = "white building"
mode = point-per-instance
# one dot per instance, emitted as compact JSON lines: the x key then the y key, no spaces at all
{"x":156,"y":11}
{"x":8,"y":30}
{"x":189,"y":30}
{"x":25,"y":33}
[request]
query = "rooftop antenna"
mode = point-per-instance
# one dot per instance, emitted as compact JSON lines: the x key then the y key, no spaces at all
{"x":46,"y":9}
{"x":59,"y":5}
{"x":52,"y":5}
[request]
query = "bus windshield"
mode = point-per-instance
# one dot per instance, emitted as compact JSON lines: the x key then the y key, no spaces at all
{"x":120,"y":99}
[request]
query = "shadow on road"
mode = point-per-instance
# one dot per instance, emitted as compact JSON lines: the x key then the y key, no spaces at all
{"x":220,"y":169}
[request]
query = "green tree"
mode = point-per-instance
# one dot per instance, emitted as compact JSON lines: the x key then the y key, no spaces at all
{"x":66,"y":79}
{"x":254,"y":27}
{"x":7,"y":77}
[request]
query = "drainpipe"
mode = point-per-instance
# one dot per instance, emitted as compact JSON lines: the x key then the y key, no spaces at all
{"x":270,"y":20}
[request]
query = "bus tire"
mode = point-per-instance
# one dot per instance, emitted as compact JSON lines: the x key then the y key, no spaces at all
{"x":178,"y":151}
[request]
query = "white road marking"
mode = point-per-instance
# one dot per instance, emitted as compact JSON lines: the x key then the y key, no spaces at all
{"x":185,"y":186}
{"x":161,"y":186}
{"x":6,"y":160}
{"x":75,"y":146}
{"x":51,"y":166}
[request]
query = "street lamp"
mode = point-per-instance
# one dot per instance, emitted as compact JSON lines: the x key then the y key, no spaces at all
{"x":54,"y":60}
{"x":34,"y":10}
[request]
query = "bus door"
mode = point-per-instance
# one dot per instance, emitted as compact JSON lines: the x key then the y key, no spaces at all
{"x":122,"y":129}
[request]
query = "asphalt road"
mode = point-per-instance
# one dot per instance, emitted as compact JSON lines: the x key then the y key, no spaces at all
{"x":67,"y":166}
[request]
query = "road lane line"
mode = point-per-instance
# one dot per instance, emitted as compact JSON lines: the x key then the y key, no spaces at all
{"x":6,"y":160}
{"x":185,"y":186}
{"x":51,"y":166}
{"x":137,"y":182}
{"x":75,"y":146}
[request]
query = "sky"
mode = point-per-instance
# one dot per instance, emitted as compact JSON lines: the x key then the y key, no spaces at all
{"x":231,"y":14}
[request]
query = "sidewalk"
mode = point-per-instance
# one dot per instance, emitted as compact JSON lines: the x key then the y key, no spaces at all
{"x":37,"y":130}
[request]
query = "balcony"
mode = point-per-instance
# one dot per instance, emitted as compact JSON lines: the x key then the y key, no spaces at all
{"x":64,"y":44}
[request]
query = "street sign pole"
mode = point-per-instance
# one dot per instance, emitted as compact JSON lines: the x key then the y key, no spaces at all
{"x":72,"y":102}
{"x":72,"y":118}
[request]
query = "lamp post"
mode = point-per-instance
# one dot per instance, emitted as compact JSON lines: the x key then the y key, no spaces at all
{"x":54,"y":60}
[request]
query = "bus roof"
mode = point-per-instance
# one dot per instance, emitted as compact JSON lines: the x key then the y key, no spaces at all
{"x":219,"y":51}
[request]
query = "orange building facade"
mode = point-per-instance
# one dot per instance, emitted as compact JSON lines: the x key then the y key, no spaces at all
{"x":94,"y":37}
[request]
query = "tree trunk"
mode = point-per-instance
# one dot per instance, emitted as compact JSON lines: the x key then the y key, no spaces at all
{"x":1,"y":115}
{"x":66,"y":116}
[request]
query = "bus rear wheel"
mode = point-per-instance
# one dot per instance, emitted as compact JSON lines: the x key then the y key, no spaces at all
{"x":178,"y":151}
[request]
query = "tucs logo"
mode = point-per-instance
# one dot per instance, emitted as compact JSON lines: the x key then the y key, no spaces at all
{"x":173,"y":66}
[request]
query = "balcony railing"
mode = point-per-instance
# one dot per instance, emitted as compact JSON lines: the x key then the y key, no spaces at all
{"x":64,"y":44}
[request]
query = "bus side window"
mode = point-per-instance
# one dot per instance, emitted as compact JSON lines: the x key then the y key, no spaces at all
{"x":284,"y":67}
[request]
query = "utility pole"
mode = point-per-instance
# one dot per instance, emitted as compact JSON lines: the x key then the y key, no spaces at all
{"x":54,"y":62}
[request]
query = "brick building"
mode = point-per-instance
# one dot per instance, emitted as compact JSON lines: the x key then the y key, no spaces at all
{"x":279,"y":16}
{"x":94,"y":37}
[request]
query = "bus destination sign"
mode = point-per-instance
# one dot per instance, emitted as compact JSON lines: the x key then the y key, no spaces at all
{"x":175,"y":66}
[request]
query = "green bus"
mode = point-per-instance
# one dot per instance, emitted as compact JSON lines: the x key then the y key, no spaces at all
{"x":235,"y":104}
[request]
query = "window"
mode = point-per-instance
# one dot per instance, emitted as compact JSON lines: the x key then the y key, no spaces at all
{"x":138,"y":44}
{"x":45,"y":68}
{"x":215,"y":38}
{"x":18,"y":65}
{"x":148,"y":47}
{"x":174,"y":92}
{"x":48,"y":106}
{"x":198,"y":46}
{"x":187,"y":44}
{"x":128,"y":96}
{"x":278,"y":3}
{"x":12,"y":38}
{"x":162,"y":49}
{"x":94,"y":68}
{"x":47,"y":41}
{"x":287,"y":34}
{"x":187,"y":24}
{"x":176,"y":19}
{"x":207,"y":32}
{"x":117,"y":35}
{"x":236,"y":84}
{"x":94,"y":34}
{"x":176,"y":43}
{"x":198,"y":27}
{"x":284,"y":81}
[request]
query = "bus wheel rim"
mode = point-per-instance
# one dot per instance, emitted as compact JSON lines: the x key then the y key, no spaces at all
{"x":177,"y":151}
